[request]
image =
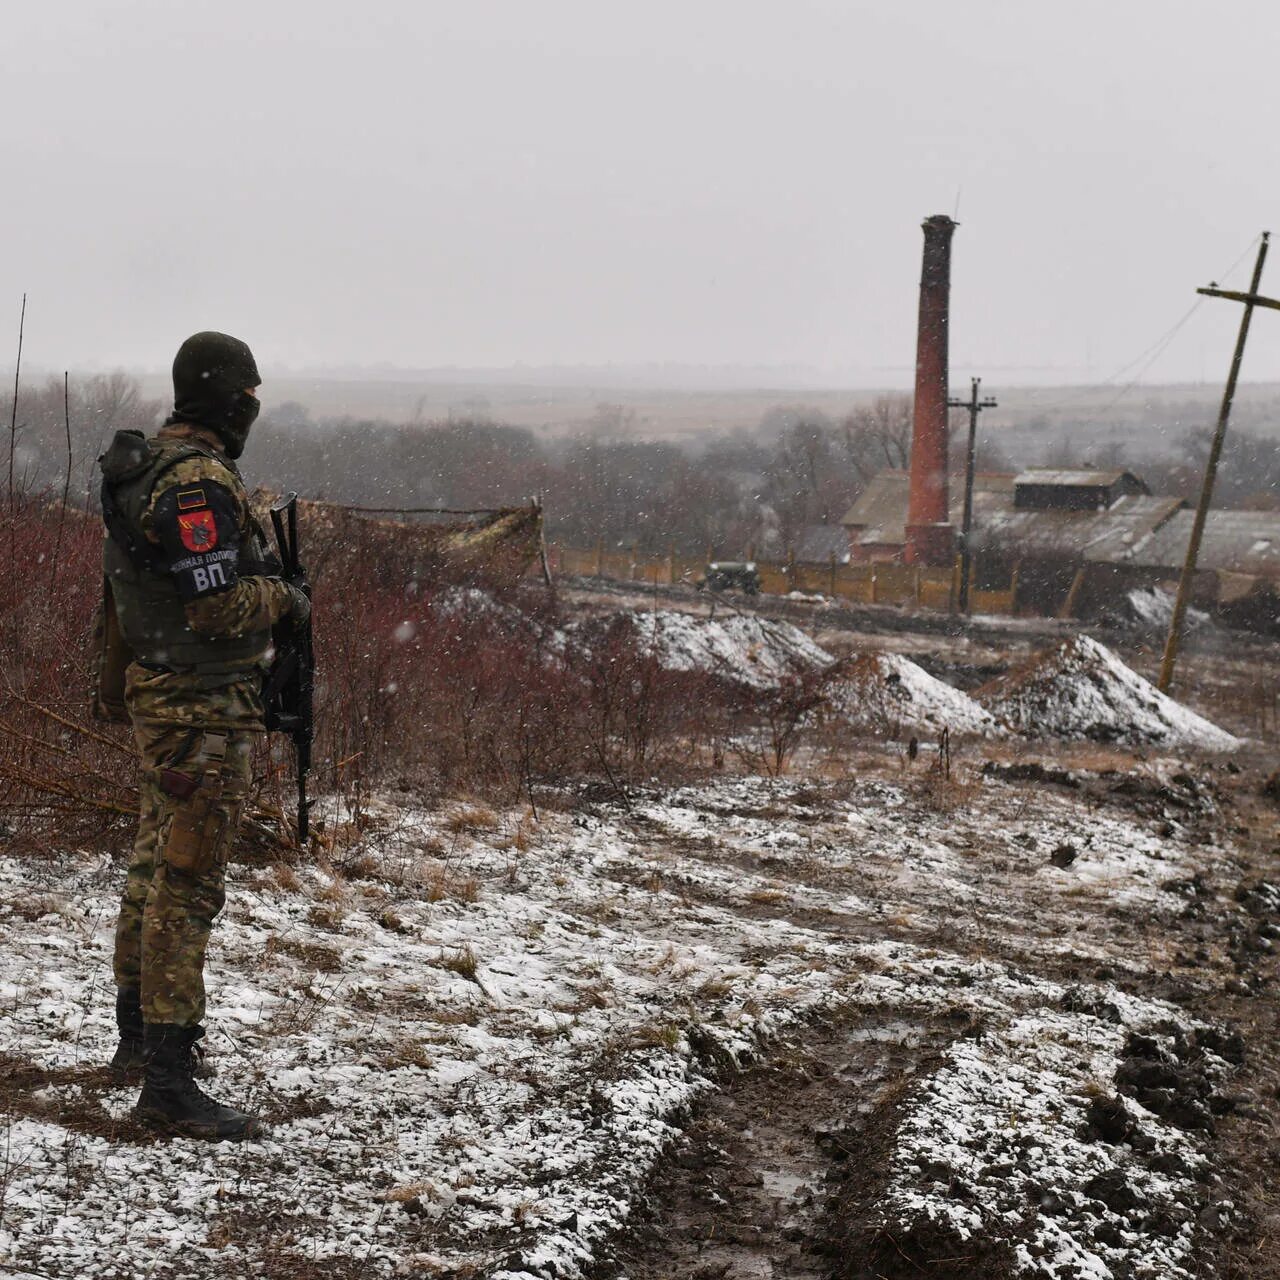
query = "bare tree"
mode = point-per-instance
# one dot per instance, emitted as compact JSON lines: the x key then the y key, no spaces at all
{"x":805,"y":481}
{"x":877,"y":436}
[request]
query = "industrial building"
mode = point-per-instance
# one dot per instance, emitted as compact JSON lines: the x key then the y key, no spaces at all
{"x":1069,"y":542}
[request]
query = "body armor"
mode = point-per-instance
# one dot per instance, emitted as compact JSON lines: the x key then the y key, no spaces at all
{"x":150,"y":611}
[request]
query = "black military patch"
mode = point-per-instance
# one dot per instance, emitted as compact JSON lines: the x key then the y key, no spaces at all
{"x":200,"y":547}
{"x":190,"y":499}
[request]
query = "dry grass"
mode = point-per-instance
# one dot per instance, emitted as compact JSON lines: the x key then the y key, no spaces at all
{"x":444,"y":882}
{"x":315,"y":955}
{"x":591,"y":995}
{"x":409,"y":1053}
{"x":655,"y":1035}
{"x":413,"y":1191}
{"x":461,"y":961}
{"x":336,"y":890}
{"x":327,"y":915}
{"x":31,"y":909}
{"x":286,"y":878}
{"x":390,"y":920}
{"x":936,"y":793}
{"x":364,"y":866}
{"x":472,"y":819}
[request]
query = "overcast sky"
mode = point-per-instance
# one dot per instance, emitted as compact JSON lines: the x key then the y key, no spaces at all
{"x":583,"y":181}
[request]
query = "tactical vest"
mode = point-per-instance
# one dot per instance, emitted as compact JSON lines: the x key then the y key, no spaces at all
{"x":150,"y":611}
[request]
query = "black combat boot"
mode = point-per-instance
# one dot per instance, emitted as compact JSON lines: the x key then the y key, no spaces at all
{"x":170,"y":1098}
{"x":127,"y":1063}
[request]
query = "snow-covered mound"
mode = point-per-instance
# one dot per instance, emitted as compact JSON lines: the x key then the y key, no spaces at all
{"x":495,"y":616}
{"x":746,"y":649}
{"x":1082,"y":690}
{"x":476,"y":604}
{"x":888,"y":692}
{"x":1152,"y":608}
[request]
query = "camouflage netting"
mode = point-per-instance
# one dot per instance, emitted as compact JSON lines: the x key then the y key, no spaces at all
{"x":496,"y":547}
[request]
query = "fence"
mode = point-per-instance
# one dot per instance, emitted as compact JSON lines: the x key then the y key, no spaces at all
{"x":857,"y":583}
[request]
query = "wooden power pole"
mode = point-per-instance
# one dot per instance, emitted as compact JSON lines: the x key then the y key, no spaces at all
{"x":975,"y":406}
{"x":1251,"y":299}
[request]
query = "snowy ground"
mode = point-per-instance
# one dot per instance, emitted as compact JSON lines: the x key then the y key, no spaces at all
{"x":742,"y":648}
{"x":888,"y":693}
{"x":1075,"y":690}
{"x":476,"y":1041}
{"x":1082,"y":689}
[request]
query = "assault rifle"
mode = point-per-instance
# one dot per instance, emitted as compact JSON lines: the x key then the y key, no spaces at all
{"x":290,"y":685}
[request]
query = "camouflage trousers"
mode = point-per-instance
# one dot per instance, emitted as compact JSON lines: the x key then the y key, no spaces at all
{"x":193,"y":787}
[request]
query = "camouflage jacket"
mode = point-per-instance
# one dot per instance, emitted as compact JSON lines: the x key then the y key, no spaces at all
{"x":191,"y":579}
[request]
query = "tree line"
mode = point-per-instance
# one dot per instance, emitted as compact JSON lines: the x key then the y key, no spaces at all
{"x":762,"y":487}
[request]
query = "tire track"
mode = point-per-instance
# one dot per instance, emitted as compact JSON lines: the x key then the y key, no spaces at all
{"x":750,"y":1189}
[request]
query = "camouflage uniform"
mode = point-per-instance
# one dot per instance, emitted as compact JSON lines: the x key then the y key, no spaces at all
{"x":194,"y":731}
{"x":193,"y":598}
{"x":169,"y":904}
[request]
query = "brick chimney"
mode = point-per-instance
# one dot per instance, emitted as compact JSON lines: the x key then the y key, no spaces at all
{"x":930,"y":537}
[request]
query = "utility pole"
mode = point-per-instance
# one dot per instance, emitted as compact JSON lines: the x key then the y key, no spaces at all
{"x":1251,"y":299}
{"x":975,"y":406}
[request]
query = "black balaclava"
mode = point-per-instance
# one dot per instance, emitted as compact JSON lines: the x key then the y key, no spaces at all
{"x":210,"y":374}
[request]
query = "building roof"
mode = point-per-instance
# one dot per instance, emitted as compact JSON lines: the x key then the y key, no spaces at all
{"x":881,"y":509}
{"x":1074,"y":477}
{"x":1112,"y":536}
{"x":1137,"y":529}
{"x":1245,"y":542}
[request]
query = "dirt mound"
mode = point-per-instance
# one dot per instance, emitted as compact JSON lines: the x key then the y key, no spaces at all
{"x":746,"y":649}
{"x":888,"y":693}
{"x":1083,"y":690}
{"x":1153,"y":608}
{"x":1145,"y":613}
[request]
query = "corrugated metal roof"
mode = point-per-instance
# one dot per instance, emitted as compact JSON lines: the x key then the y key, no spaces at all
{"x":1137,"y":529}
{"x":1111,"y":536}
{"x":1234,"y":542}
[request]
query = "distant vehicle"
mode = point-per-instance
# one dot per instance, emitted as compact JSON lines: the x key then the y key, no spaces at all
{"x":731,"y":575}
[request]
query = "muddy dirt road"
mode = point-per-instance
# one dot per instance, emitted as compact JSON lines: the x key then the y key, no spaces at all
{"x":757,"y":1185}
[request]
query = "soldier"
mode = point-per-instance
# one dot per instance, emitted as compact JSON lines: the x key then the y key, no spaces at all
{"x":195,"y":597}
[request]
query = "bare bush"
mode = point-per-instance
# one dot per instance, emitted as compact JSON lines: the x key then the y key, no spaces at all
{"x":57,"y":771}
{"x":429,"y":684}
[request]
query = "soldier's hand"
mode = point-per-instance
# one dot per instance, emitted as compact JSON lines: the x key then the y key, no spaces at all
{"x":300,"y":608}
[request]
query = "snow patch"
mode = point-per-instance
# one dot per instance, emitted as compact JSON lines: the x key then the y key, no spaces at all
{"x":744,"y":649}
{"x":503,"y":1116}
{"x":1083,"y":690}
{"x":1153,"y":607}
{"x":997,"y":1145}
{"x":887,"y":692}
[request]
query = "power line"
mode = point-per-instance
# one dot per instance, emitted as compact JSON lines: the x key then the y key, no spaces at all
{"x":1150,"y":354}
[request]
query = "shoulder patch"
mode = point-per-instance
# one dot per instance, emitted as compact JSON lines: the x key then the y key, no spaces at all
{"x":198,"y":529}
{"x":190,"y":499}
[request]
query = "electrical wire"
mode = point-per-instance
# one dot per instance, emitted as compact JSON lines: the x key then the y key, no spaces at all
{"x":1152,"y":353}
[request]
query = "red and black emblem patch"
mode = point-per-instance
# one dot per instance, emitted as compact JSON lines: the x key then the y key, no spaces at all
{"x":199,"y":532}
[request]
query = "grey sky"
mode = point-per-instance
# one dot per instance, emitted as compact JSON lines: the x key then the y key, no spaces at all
{"x":582,"y":181}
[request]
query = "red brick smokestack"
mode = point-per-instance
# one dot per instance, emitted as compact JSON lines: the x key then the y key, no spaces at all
{"x":930,"y":538}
